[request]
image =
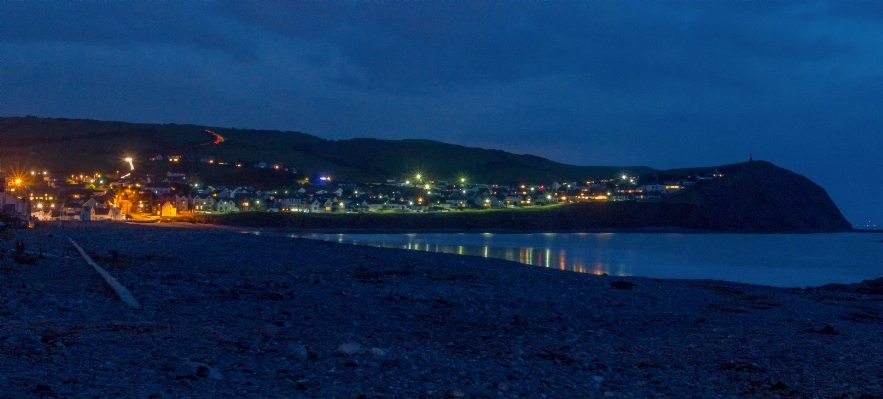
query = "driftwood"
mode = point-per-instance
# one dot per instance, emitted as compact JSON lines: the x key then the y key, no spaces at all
{"x":124,"y":294}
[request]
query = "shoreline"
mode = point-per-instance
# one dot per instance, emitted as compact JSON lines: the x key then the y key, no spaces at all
{"x":236,"y":315}
{"x":587,"y":230}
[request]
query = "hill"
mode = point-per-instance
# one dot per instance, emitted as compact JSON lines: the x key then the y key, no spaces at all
{"x":759,"y":196}
{"x":87,"y":146}
{"x":752,"y":197}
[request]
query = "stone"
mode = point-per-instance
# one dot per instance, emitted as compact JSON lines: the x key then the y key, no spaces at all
{"x":456,"y":393}
{"x":598,"y":379}
{"x":350,"y":349}
{"x":377,"y":352}
{"x":297,"y":352}
{"x":203,"y":370}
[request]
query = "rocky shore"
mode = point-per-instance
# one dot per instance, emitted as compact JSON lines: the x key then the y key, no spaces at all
{"x":227,"y":314}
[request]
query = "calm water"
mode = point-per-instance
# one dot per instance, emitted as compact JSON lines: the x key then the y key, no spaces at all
{"x":777,"y":260}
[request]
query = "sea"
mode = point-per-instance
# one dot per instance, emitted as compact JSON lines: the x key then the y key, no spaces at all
{"x":780,"y":260}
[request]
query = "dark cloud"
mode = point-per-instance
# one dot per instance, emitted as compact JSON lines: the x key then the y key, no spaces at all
{"x":118,"y":24}
{"x":665,"y":84}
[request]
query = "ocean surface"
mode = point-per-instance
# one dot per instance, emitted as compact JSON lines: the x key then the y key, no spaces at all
{"x":782,"y":260}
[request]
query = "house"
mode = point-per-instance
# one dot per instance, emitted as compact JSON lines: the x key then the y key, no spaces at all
{"x":261,"y":165}
{"x":651,"y":188}
{"x":87,"y":213}
{"x":182,"y":203}
{"x":289,"y":204}
{"x":456,"y":200}
{"x":483,"y":201}
{"x":168,"y":208}
{"x":313,"y":205}
{"x":498,"y":201}
{"x":620,"y":196}
{"x":156,"y":158}
{"x":511,"y":200}
{"x":174,"y":158}
{"x":375,"y":204}
{"x":204,"y":204}
{"x":157,"y":188}
{"x":13,"y":204}
{"x":109,"y":213}
{"x":71,"y":210}
{"x":227,"y":205}
{"x":396,"y":206}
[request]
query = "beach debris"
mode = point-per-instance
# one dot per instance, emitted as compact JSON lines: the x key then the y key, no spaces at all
{"x":622,"y":285}
{"x":121,"y":291}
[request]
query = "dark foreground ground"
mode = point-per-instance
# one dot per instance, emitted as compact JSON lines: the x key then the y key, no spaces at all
{"x":233,"y":315}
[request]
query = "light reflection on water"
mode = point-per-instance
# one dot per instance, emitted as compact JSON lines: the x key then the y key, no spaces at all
{"x":786,"y":260}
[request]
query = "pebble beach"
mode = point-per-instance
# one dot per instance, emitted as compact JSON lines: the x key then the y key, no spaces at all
{"x":227,"y":314}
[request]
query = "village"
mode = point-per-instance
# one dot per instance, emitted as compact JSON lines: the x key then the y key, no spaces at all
{"x":44,"y":196}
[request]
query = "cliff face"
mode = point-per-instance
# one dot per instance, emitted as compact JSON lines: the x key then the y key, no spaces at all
{"x":761,"y":197}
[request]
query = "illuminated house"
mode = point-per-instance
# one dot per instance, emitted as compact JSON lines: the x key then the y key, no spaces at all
{"x":165,"y":206}
{"x":205,"y":204}
{"x":227,"y":205}
{"x":168,"y":208}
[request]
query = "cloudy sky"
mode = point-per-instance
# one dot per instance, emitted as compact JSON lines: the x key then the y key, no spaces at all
{"x":663,"y":84}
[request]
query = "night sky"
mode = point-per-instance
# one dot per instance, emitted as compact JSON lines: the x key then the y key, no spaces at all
{"x":662,"y":84}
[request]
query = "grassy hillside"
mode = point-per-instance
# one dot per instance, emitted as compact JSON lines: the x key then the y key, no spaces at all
{"x":88,"y":146}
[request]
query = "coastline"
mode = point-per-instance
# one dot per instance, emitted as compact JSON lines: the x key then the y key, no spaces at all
{"x":234,"y":315}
